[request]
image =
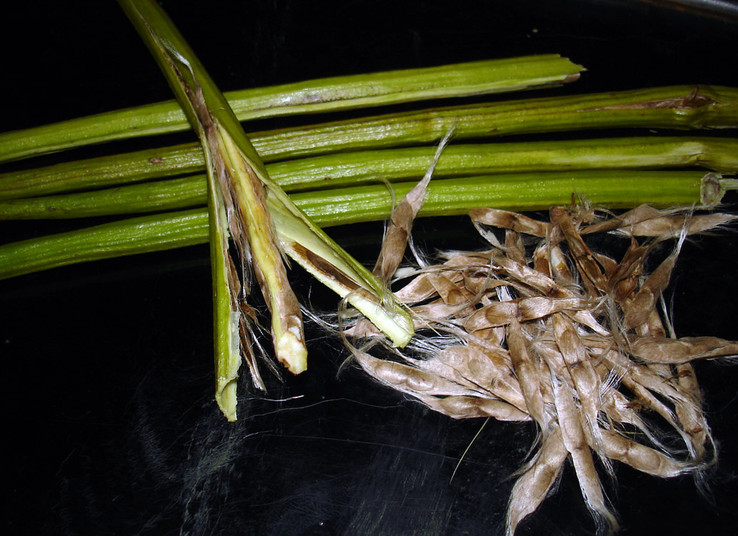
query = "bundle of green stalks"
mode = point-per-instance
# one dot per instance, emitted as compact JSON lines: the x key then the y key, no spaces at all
{"x":271,"y":193}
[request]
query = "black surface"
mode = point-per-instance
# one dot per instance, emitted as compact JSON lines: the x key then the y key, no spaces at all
{"x":107,"y":380}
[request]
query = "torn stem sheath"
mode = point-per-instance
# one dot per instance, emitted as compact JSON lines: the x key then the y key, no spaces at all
{"x":674,"y":107}
{"x":366,"y":167}
{"x":368,"y":203}
{"x":226,"y":315}
{"x":312,"y":96}
{"x":250,"y":198}
{"x":242,"y":175}
{"x":236,"y":201}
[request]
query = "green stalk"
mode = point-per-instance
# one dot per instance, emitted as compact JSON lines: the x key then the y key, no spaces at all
{"x":157,"y":196}
{"x":351,"y":169}
{"x":313,"y":96}
{"x":359,"y":167}
{"x":103,"y":171}
{"x":677,"y":107}
{"x":520,"y":192}
{"x":262,"y":219}
{"x":613,"y":189}
{"x":146,"y":234}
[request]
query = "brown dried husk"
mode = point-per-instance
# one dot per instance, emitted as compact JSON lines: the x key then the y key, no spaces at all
{"x":539,"y":327}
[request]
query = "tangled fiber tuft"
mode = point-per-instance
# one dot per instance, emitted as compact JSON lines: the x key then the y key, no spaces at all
{"x":541,"y":328}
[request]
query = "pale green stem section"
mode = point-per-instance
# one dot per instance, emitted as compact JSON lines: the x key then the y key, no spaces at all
{"x":611,"y":189}
{"x":313,"y":96}
{"x":351,"y":169}
{"x":677,"y":107}
{"x":226,"y":315}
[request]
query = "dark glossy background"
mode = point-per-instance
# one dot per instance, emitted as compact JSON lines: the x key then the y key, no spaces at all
{"x":107,"y":367}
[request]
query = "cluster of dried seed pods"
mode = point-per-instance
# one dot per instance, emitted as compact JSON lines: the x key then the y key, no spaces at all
{"x":540,"y":327}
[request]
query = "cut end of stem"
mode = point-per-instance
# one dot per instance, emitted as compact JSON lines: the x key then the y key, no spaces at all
{"x":712,"y":189}
{"x":724,"y":185}
{"x":225,"y":396}
{"x":290,"y":350}
{"x":395,"y":324}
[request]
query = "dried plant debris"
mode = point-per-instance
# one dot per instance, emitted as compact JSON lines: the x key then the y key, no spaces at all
{"x":542,"y":328}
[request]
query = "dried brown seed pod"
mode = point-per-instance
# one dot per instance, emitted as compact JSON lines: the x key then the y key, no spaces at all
{"x":566,"y":336}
